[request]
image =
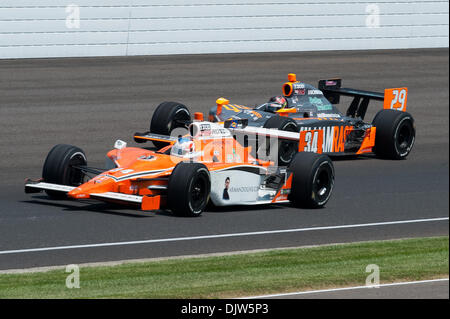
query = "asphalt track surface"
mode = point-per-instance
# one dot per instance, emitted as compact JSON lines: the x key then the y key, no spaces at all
{"x":91,"y":102}
{"x":412,"y":290}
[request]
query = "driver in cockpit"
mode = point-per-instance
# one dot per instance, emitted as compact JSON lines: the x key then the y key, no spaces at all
{"x":276,"y":103}
{"x":183,"y":147}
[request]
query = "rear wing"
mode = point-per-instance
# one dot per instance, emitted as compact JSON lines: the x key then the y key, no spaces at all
{"x":394,"y":98}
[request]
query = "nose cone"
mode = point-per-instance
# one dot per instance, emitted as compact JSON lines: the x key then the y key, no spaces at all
{"x":99,"y":184}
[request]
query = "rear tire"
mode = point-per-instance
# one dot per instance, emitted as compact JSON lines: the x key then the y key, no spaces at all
{"x":395,"y":134}
{"x":286,"y":149}
{"x":167,"y":117}
{"x":312,"y":180}
{"x":189,"y":189}
{"x":58,"y":167}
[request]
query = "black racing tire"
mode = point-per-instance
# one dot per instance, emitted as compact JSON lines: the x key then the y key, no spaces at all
{"x":286,"y":149}
{"x":58,"y":167}
{"x":167,"y":117}
{"x":189,"y":188}
{"x":395,"y":134}
{"x":312,"y":180}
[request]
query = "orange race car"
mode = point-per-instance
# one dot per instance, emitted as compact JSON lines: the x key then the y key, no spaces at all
{"x":207,"y":164}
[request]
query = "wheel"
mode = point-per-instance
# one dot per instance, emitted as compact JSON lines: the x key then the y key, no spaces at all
{"x":286,"y":149}
{"x":58,"y":167}
{"x":395,"y":134}
{"x":189,"y":189}
{"x":167,"y":117}
{"x":312,"y":180}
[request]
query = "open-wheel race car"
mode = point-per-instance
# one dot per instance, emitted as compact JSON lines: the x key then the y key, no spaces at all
{"x":302,"y":107}
{"x":206,"y":164}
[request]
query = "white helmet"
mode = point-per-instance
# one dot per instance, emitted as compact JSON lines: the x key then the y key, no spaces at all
{"x":183,"y":147}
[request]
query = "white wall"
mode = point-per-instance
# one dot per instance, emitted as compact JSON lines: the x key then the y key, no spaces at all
{"x":37,"y":28}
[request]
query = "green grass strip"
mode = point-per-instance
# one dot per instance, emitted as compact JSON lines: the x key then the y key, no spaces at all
{"x":243,"y":274}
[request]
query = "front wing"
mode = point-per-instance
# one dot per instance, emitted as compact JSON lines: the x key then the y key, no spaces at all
{"x":145,"y":202}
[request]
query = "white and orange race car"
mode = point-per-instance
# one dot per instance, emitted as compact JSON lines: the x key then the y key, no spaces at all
{"x":208,"y":164}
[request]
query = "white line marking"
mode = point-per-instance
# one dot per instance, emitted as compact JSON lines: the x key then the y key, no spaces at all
{"x":162,"y":240}
{"x":343,"y":289}
{"x":181,"y":257}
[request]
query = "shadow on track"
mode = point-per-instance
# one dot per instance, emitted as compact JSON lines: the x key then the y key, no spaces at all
{"x":102,"y":208}
{"x":262,"y":208}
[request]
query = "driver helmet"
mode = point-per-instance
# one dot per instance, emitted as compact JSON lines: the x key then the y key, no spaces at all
{"x":277,"y":103}
{"x":184,"y":147}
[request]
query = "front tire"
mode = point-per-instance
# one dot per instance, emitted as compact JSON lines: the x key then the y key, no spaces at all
{"x":58,"y":167}
{"x":286,"y":149}
{"x":167,"y":117}
{"x":189,"y":189}
{"x":395,"y":134}
{"x":312,"y":180}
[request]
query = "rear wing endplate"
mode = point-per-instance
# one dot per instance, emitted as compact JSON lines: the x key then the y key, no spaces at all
{"x":394,"y":98}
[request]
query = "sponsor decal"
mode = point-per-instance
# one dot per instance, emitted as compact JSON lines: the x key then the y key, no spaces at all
{"x":235,"y":185}
{"x":330,"y":83}
{"x":235,"y":108}
{"x":205,"y":127}
{"x":147,"y":158}
{"x":234,"y":124}
{"x":99,"y":179}
{"x":311,"y":141}
{"x":226,"y":195}
{"x":300,"y":92}
{"x":282,"y":197}
{"x":315,"y":92}
{"x":299,"y":86}
{"x":324,"y":107}
{"x":134,"y":189}
{"x":334,"y":137}
{"x":315,"y":101}
{"x":219,"y":131}
{"x":126,"y":171}
{"x":244,"y":189}
{"x":328,"y":115}
{"x":256,"y":114}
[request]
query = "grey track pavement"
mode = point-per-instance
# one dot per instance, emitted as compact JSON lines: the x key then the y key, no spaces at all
{"x":420,"y":290}
{"x":91,"y":102}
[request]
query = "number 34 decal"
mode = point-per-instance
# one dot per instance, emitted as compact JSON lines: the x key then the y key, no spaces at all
{"x":395,"y":99}
{"x":311,"y":141}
